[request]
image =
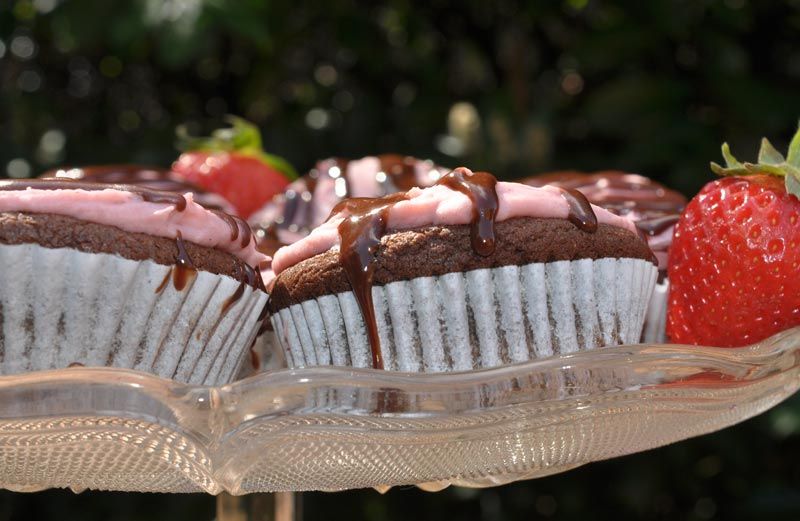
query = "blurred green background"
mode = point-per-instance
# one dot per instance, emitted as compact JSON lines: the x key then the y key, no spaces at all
{"x":511,"y":87}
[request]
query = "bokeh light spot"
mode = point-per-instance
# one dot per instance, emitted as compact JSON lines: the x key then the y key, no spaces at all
{"x":318,"y":118}
{"x":326,"y":75}
{"x":572,"y":83}
{"x":18,"y":168}
{"x":29,"y":81}
{"x":23,"y":47}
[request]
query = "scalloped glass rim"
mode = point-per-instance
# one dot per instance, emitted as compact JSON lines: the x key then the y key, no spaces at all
{"x":332,"y":428}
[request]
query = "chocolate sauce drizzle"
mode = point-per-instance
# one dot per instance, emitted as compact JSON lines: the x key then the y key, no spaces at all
{"x":247,"y":277}
{"x":360,"y":236}
{"x":239,"y":228}
{"x":656,"y":225}
{"x":580,"y":210}
{"x":365,"y":223}
{"x":480,"y":187}
{"x":183,"y":271}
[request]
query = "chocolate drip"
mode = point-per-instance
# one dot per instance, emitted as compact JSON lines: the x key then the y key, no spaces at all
{"x":658,"y":224}
{"x":360,"y":235}
{"x":247,"y":277}
{"x":182,"y":272}
{"x":184,"y":269}
{"x":232,"y":224}
{"x":239,"y":228}
{"x":480,"y":187}
{"x":580,"y":211}
{"x":151,"y":196}
{"x":233,"y":299}
{"x":255,"y":361}
{"x":400,"y":172}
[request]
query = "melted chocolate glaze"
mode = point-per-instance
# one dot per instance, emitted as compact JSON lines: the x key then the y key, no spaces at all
{"x":305,"y":204}
{"x":480,"y":187}
{"x":580,"y":210}
{"x":365,"y":223}
{"x":233,"y":299}
{"x":150,"y":177}
{"x":255,"y":361}
{"x":360,"y":236}
{"x":247,"y":277}
{"x":238,"y":226}
{"x":657,"y":225}
{"x":182,"y":272}
{"x":618,"y":192}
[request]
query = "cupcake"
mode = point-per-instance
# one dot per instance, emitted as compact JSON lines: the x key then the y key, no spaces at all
{"x":466,"y":274}
{"x":122,"y":276}
{"x":307,"y":202}
{"x":652,"y":206}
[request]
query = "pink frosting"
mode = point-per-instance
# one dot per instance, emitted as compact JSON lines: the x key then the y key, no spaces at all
{"x":127,"y":211}
{"x":438,"y":206}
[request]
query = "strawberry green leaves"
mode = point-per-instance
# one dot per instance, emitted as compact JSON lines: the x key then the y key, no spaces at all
{"x":770,"y":162}
{"x":242,"y":137}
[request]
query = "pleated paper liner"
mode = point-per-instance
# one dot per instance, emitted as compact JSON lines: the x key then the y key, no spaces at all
{"x":62,"y":307}
{"x":476,"y":319}
{"x":655,"y":321}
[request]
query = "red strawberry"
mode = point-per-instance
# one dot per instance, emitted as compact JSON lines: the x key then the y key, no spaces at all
{"x":735,"y":255}
{"x":232,"y":164}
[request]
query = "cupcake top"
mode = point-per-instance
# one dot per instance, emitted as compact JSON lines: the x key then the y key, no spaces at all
{"x":308,"y":201}
{"x":150,"y":177}
{"x":448,"y":202}
{"x":652,"y":206}
{"x":133,"y":209}
{"x":631,"y":195}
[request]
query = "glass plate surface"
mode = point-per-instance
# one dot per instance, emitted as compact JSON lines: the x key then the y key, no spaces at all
{"x":338,"y":428}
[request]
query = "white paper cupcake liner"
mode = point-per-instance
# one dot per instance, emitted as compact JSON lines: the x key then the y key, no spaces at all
{"x":480,"y":318}
{"x":62,"y":306}
{"x":655,"y":322}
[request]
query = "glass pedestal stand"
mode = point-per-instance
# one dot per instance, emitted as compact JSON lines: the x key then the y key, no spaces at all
{"x":338,"y":428}
{"x":275,"y":506}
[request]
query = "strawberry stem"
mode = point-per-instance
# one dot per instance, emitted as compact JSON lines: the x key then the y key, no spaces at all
{"x":770,"y":162}
{"x":242,"y":137}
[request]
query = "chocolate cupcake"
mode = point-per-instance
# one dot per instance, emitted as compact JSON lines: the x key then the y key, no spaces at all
{"x":652,"y":206}
{"x":468,"y":273}
{"x":308,"y":201}
{"x":122,"y":276}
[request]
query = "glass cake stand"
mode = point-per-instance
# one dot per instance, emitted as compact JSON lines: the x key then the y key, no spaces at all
{"x":338,"y":428}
